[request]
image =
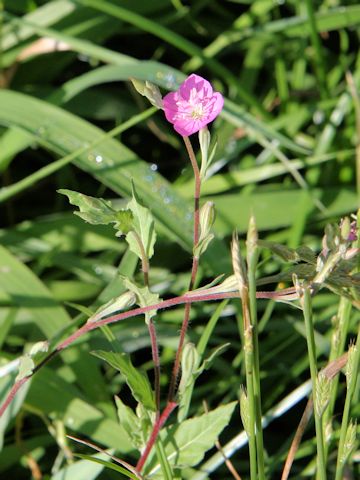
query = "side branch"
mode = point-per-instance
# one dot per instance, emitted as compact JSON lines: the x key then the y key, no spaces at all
{"x":191,"y":297}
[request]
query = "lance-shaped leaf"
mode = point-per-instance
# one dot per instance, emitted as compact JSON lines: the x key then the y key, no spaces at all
{"x":136,"y":379}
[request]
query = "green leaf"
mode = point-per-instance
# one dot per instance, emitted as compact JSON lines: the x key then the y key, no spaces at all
{"x":82,"y":470}
{"x":131,"y":424}
{"x":98,"y":211}
{"x":55,"y":396}
{"x":143,"y":226}
{"x":187,"y":443}
{"x":211,"y":358}
{"x":6,"y":382}
{"x":284,"y":252}
{"x":136,"y":379}
{"x":144,"y":297}
{"x":26,"y":367}
{"x":106,"y":464}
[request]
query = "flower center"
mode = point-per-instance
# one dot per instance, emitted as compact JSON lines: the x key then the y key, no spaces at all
{"x":197,"y":112}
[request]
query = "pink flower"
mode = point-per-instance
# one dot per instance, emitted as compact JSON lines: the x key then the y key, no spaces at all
{"x":192,"y":106}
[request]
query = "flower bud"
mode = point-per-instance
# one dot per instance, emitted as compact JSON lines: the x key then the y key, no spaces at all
{"x":125,"y":300}
{"x":148,"y":90}
{"x":206,"y":220}
{"x":189,"y":363}
{"x":244,"y":410}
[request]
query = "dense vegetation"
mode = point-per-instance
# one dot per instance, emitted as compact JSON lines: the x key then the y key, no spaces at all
{"x":287,"y":153}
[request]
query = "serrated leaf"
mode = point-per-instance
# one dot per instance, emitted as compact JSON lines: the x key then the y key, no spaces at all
{"x":136,"y":379}
{"x":144,"y":297}
{"x":26,"y":367}
{"x":143,"y":228}
{"x":186,"y":444}
{"x":98,"y":211}
{"x":131,"y":424}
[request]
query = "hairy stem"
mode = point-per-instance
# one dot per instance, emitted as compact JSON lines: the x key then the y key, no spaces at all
{"x":202,"y":296}
{"x":157,"y":427}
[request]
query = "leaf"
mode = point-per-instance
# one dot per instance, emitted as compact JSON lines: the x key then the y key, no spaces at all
{"x":5,"y":384}
{"x":106,"y":464}
{"x":186,"y":444}
{"x":144,"y":297}
{"x":82,"y":470}
{"x":98,"y":211}
{"x":53,"y":395}
{"x":211,"y":358}
{"x":306,"y":254}
{"x":130,"y":423}
{"x":136,"y":379}
{"x":284,"y":252}
{"x":143,"y":225}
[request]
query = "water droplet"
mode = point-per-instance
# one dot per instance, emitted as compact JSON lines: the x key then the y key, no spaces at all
{"x":98,"y":269}
{"x":153,"y":167}
{"x":318,"y":117}
{"x":5,"y":269}
{"x":84,"y":58}
{"x":167,"y":200}
{"x":230,"y":146}
{"x":149,"y":178}
{"x":98,"y":159}
{"x":188,"y":216}
{"x":41,"y":131}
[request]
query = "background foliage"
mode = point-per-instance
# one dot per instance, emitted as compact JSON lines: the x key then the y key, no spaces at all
{"x":286,"y":152}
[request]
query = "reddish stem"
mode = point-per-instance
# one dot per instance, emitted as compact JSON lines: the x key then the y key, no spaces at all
{"x":151,"y":326}
{"x":194,"y":268}
{"x":14,"y":389}
{"x":156,"y":360}
{"x":155,"y":432}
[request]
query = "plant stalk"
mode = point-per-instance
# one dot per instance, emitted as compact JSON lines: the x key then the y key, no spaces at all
{"x":194,"y":268}
{"x":351,"y":386}
{"x":305,"y":298}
